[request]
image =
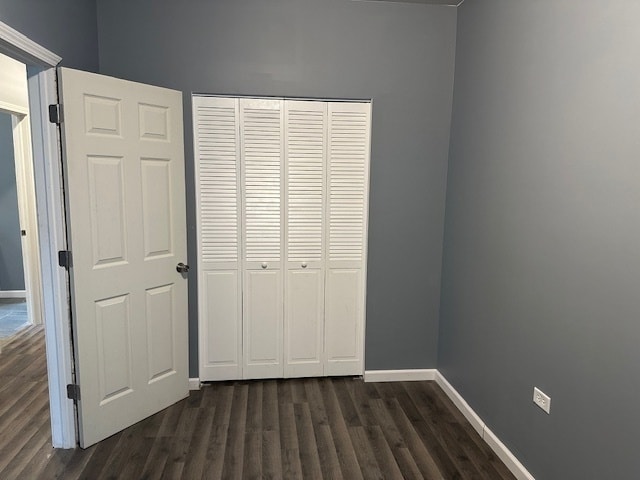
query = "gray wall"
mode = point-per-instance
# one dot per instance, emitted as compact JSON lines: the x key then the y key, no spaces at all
{"x":541,"y":276}
{"x":11,"y":269}
{"x":400,"y":55}
{"x":66,"y":27}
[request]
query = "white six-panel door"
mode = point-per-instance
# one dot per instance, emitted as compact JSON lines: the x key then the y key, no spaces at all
{"x":124,"y":166}
{"x":298,"y":173}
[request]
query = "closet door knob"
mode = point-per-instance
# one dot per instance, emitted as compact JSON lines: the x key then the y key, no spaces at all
{"x":264,"y":264}
{"x":304,"y":264}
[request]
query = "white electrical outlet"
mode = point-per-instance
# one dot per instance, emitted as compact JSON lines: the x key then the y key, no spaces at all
{"x":541,"y":399}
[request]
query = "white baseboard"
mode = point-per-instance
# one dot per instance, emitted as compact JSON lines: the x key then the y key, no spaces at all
{"x":499,"y":448}
{"x":508,"y":458}
{"x":13,"y":294}
{"x":475,"y":421}
{"x":194,"y":384}
{"x":400,"y":375}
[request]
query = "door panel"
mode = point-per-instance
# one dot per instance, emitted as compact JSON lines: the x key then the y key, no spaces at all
{"x":343,"y":328}
{"x":220,"y":356}
{"x":263,"y":324}
{"x":304,"y":298}
{"x":262,"y":149}
{"x":347,"y":200}
{"x":217,"y":157}
{"x":156,"y":206}
{"x":124,"y":172}
{"x":348,"y":162}
{"x":305,"y":152}
{"x":106,"y":194}
{"x":160,"y":322}
{"x":113,"y":321}
{"x":305,"y":133}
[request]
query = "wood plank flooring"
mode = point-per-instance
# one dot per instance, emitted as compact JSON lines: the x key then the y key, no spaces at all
{"x":338,"y":428}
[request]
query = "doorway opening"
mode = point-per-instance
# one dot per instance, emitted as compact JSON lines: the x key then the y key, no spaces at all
{"x":20,"y":285}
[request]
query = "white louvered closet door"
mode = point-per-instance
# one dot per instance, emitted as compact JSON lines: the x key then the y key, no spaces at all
{"x":261,"y":126}
{"x":305,"y":151}
{"x":217,"y":153}
{"x":282,"y":190}
{"x":347,"y":206}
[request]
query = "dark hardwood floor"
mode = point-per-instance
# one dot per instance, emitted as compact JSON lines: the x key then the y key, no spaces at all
{"x":309,"y":428}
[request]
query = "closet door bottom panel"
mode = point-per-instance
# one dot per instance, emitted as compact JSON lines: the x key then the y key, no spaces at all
{"x":263,"y":324}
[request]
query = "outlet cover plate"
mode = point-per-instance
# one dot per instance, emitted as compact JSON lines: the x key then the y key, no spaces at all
{"x":542,"y":400}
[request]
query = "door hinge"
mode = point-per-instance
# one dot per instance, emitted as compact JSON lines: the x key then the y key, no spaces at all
{"x":55,"y":113}
{"x":64,"y":258}
{"x":73,"y":392}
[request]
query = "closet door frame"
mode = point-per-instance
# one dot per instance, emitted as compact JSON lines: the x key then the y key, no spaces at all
{"x":241,"y":372}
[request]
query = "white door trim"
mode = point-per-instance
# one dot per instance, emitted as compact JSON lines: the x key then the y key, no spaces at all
{"x":51,"y":223}
{"x":20,"y":47}
{"x":27,"y":214}
{"x":13,"y":294}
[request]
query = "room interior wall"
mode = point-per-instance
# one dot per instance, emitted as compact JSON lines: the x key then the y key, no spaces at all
{"x":542,"y":240}
{"x":68,"y":28}
{"x":11,"y":268}
{"x":399,"y":55}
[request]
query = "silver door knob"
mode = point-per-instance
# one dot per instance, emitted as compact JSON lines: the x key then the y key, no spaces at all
{"x":182,"y":268}
{"x":264,"y":264}
{"x":304,"y":264}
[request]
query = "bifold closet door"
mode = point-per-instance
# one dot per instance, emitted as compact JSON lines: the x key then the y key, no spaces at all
{"x":282,"y":194}
{"x":217,"y":153}
{"x":348,"y":185}
{"x":262,"y":151}
{"x":305,"y":150}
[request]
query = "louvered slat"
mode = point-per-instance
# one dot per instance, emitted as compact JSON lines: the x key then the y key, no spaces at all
{"x":217,"y":159}
{"x":348,"y":157}
{"x":262,"y":161}
{"x":305,"y":137}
